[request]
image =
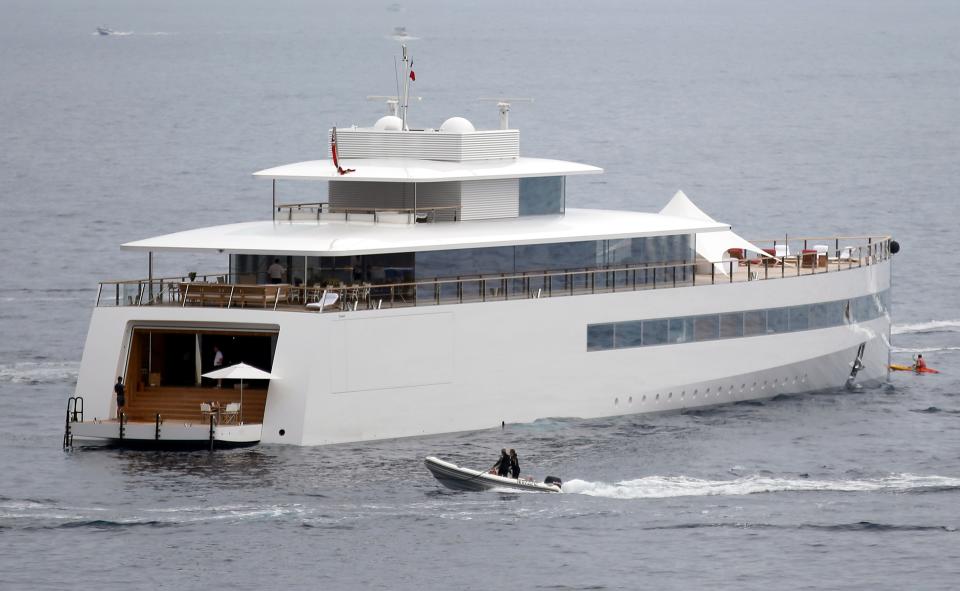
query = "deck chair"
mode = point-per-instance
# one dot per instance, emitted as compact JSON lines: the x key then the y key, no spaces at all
{"x":206,"y":410}
{"x":231,"y":412}
{"x":326,"y":300}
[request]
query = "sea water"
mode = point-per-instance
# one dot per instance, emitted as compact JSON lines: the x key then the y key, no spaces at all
{"x":814,"y":118}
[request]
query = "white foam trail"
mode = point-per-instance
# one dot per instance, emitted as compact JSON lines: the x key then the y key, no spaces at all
{"x":29,"y":372}
{"x":931,"y":326}
{"x":657,"y":487}
{"x":922,"y":349}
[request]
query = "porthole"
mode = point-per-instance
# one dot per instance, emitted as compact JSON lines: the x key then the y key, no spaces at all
{"x":670,"y":395}
{"x":708,"y":391}
{"x":658,"y":396}
{"x":283,"y":432}
{"x":695,"y":392}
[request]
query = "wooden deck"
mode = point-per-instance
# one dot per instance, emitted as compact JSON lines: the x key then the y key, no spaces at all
{"x":183,"y":403}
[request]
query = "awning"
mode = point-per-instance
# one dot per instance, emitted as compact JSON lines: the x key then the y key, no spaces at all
{"x":711,"y":246}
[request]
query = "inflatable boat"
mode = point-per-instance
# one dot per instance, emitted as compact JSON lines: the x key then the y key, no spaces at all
{"x":457,"y":478}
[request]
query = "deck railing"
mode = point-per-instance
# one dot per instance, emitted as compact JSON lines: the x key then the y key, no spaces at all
{"x":223,"y":290}
{"x":323,"y":211}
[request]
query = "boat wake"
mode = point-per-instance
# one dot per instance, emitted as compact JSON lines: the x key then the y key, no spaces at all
{"x":922,"y":349}
{"x":29,"y":372}
{"x":927,"y":327}
{"x":658,"y":487}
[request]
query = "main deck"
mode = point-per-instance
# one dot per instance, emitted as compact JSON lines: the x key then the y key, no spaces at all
{"x":785,"y":260}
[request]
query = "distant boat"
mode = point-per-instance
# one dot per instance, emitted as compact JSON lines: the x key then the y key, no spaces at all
{"x":400,"y":34}
{"x":104,"y":31}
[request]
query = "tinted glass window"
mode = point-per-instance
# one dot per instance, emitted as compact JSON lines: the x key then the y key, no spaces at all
{"x":541,"y":195}
{"x":678,"y":330}
{"x":628,"y":334}
{"x":777,"y":320}
{"x":655,"y":332}
{"x":706,"y":328}
{"x":754,"y":322}
{"x":731,"y":325}
{"x":599,"y":337}
{"x":799,"y":318}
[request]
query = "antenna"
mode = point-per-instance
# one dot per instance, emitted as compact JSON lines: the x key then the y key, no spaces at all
{"x":503,"y":104}
{"x":393,"y":102}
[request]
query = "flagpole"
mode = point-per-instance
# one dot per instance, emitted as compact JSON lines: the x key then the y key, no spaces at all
{"x":406,"y":86}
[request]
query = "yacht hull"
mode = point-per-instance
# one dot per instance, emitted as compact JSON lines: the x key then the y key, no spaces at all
{"x":378,"y":374}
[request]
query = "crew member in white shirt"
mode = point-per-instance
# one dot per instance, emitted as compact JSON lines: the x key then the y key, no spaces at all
{"x":275,"y":272}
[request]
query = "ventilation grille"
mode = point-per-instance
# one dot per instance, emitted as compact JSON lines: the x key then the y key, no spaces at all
{"x":428,"y":145}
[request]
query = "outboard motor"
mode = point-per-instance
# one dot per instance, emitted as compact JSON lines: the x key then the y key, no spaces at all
{"x":553,"y":480}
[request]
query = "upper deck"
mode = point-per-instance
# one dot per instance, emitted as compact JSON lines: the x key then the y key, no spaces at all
{"x":326,"y":237}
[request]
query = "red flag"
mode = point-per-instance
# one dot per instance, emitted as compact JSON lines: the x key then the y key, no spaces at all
{"x":413,"y":75}
{"x":333,"y":151}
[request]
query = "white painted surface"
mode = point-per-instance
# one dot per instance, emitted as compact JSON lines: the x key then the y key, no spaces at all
{"x":515,"y":361}
{"x":408,"y":170}
{"x":336,"y":238}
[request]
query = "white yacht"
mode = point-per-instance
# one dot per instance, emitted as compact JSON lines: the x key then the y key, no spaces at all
{"x":444,"y":285}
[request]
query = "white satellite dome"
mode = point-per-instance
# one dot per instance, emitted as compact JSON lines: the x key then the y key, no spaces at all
{"x":389,"y":123}
{"x":457,"y":125}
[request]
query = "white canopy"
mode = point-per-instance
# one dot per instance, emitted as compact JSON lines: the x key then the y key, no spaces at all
{"x":710,"y":245}
{"x":240,"y":371}
{"x":410,"y":170}
{"x":339,"y":238}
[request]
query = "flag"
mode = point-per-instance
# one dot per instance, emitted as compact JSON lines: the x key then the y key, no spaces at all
{"x":413,"y":75}
{"x":333,"y":151}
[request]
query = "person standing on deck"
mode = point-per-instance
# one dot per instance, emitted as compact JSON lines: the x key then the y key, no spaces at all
{"x":514,"y":464}
{"x":217,"y":362}
{"x":121,"y":395}
{"x":275,"y":272}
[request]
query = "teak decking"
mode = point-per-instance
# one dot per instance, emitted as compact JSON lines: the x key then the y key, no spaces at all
{"x":183,"y":403}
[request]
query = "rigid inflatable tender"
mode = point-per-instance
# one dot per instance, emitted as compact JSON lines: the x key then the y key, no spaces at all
{"x":457,"y":478}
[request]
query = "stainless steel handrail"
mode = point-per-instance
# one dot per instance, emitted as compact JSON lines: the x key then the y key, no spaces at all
{"x":179,"y":290}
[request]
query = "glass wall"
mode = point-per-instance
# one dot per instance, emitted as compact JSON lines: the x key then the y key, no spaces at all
{"x":542,"y":195}
{"x":297,"y":270}
{"x":562,"y":256}
{"x":731,"y":325}
{"x":472,"y":262}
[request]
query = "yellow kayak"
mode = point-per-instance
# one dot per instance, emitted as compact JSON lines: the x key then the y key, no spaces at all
{"x":896,"y":367}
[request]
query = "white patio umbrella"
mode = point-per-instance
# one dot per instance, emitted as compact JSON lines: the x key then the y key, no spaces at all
{"x":240,"y":371}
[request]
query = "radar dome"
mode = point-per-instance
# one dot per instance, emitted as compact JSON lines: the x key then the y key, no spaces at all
{"x":457,"y":125}
{"x":389,"y":123}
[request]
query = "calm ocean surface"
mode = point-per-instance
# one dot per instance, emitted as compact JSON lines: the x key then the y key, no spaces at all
{"x":815,"y":117}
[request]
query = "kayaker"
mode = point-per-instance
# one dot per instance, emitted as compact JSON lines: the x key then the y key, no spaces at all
{"x":503,"y":464}
{"x":920,"y":364}
{"x":514,"y":464}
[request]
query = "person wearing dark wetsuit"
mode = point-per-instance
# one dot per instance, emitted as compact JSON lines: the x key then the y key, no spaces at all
{"x":120,"y":391}
{"x":503,"y":464}
{"x":514,"y":464}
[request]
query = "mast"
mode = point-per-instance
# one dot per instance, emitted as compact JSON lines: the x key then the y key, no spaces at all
{"x":406,"y":87}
